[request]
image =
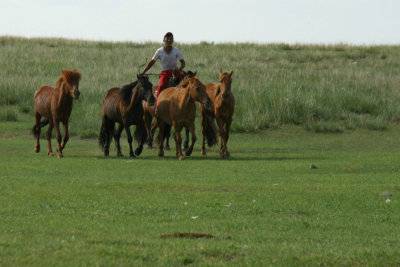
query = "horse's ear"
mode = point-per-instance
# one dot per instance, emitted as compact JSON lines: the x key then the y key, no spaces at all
{"x":184,"y":73}
{"x":220,"y":71}
{"x":194,"y":74}
{"x":230,"y":73}
{"x":137,"y":76}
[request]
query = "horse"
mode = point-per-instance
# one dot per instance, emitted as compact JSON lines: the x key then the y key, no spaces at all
{"x":55,"y":105}
{"x":149,"y":112}
{"x":123,"y":105}
{"x":222,"y":111}
{"x":176,"y":106}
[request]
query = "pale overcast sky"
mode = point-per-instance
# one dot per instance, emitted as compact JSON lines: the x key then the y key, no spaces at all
{"x":358,"y":22}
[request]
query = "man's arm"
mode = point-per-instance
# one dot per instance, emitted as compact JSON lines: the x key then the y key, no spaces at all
{"x":182,"y":65}
{"x":148,"y":66}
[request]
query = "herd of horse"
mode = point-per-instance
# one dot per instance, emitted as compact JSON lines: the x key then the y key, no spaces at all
{"x":135,"y":104}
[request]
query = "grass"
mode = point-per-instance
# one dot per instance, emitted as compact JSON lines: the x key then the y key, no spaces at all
{"x":343,"y":86}
{"x":264,"y":206}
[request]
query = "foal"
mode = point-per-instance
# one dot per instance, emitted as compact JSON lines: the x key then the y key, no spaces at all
{"x":55,"y":104}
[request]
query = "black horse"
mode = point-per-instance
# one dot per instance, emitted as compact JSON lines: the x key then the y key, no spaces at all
{"x":124,"y":106}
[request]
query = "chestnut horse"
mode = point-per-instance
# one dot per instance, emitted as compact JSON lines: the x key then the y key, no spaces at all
{"x":149,"y":112}
{"x":124,"y":105}
{"x":176,"y":106}
{"x":222,"y":110}
{"x":55,"y":105}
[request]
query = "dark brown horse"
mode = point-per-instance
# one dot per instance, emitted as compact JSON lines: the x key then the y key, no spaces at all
{"x":55,"y":105}
{"x":176,"y":107}
{"x":124,"y":106}
{"x":221,"y":110}
{"x":149,"y":112}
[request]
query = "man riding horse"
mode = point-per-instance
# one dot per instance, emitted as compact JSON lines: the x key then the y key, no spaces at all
{"x":168,"y":56}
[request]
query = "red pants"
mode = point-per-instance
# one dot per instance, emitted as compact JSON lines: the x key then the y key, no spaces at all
{"x":165,"y":76}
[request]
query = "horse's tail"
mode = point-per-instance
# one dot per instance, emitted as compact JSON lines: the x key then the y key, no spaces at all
{"x":106,"y":132}
{"x":35,"y":130}
{"x":140,"y":134}
{"x":210,"y":130}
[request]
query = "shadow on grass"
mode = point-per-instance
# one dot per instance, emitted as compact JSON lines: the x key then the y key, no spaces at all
{"x":205,"y":158}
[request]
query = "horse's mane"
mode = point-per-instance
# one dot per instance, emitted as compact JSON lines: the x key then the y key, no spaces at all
{"x":69,"y":76}
{"x":126,"y":92}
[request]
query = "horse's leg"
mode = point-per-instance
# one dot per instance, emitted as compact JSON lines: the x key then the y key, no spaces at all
{"x":178,"y":141}
{"x":193,"y":133}
{"x":37,"y":123}
{"x":140,"y":136}
{"x":107,"y":132}
{"x":167,"y":136}
{"x":227,"y":128}
{"x":147,"y":121}
{"x":48,"y":137}
{"x":186,"y":143}
{"x":130,"y":139}
{"x":221,"y":136}
{"x":58,"y":137}
{"x":161,"y":127}
{"x":66,"y":136}
{"x":153,"y":129}
{"x":117,"y":137}
{"x":203,"y":132}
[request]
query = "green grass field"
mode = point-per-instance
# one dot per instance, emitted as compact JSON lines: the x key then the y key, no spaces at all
{"x":335,"y":107}
{"x":264,"y":206}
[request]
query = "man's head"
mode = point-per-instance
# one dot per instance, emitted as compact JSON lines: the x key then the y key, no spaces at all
{"x":169,"y":35}
{"x":168,"y":38}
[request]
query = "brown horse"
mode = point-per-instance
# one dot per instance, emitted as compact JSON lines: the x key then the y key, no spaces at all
{"x":222,"y":110}
{"x":176,"y":107}
{"x":149,"y":111}
{"x":55,"y":105}
{"x":124,"y":105}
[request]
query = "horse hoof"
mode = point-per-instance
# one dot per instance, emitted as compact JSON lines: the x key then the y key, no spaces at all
{"x":203,"y":153}
{"x":37,"y":149}
{"x":228,"y":155}
{"x":188,"y":153}
{"x":167,"y":148}
{"x":50,"y":154}
{"x":181,"y":158}
{"x":161,"y":153}
{"x":60,"y":156}
{"x":120,"y":155}
{"x":138,"y":151}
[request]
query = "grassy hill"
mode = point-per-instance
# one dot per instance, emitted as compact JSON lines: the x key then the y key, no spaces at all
{"x":323,"y":88}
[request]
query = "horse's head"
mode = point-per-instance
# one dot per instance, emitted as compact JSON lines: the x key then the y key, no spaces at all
{"x":145,"y":89}
{"x":185,"y":78}
{"x":197,"y":91}
{"x":226,"y":81}
{"x":70,"y":82}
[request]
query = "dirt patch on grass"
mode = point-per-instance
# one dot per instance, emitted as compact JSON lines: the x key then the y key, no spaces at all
{"x":187,"y":235}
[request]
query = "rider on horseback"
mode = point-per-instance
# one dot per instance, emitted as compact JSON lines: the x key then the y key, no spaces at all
{"x":168,"y":56}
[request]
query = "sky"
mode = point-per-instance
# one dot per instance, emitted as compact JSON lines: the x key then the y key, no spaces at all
{"x":354,"y":22}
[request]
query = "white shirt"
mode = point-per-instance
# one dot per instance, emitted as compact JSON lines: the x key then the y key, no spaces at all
{"x":168,"y":60}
